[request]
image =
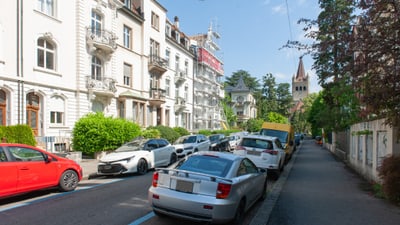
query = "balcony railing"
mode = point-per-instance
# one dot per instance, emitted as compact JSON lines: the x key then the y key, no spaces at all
{"x":180,"y":76}
{"x":101,"y":39}
{"x":180,"y":104}
{"x":157,"y":64}
{"x":157,"y":96}
{"x":104,"y":86}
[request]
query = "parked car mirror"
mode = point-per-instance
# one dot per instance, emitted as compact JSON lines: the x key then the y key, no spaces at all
{"x":291,"y":143}
{"x":47,"y":158}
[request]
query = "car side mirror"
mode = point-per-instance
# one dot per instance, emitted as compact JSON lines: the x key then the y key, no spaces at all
{"x":47,"y":158}
{"x":262,"y":170}
{"x":291,"y":143}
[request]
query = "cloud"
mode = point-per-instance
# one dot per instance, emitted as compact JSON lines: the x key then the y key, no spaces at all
{"x":279,"y":9}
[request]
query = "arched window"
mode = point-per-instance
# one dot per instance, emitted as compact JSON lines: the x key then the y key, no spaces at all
{"x":57,"y":110}
{"x":45,"y":54}
{"x":32,"y":111}
{"x":304,"y":88}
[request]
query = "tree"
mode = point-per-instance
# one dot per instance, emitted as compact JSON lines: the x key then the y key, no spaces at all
{"x":331,"y":51}
{"x":249,"y":81}
{"x":376,"y":73}
{"x":284,"y":98}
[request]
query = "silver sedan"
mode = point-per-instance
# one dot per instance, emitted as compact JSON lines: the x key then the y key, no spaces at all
{"x":216,"y":187}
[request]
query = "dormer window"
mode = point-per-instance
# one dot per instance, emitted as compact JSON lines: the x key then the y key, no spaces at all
{"x":168,"y":30}
{"x":177,"y":36}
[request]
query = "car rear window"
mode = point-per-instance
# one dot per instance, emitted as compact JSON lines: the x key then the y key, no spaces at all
{"x":210,"y":165}
{"x":257,"y":143}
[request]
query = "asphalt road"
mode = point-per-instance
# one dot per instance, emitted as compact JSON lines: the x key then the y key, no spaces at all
{"x":321,"y":190}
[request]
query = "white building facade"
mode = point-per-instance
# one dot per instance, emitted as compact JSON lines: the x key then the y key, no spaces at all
{"x":60,"y":60}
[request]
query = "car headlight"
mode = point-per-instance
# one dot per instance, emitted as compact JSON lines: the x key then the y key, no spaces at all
{"x":213,"y":145}
{"x":129,"y":159}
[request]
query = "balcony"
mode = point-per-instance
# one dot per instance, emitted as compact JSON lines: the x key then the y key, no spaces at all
{"x":157,"y":97}
{"x":157,"y":64}
{"x":101,"y":40}
{"x":104,"y":87}
{"x":180,"y":104}
{"x":180,"y":77}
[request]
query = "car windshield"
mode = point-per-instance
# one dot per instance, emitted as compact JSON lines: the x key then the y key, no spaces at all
{"x":214,"y":137}
{"x":132,"y":146}
{"x":186,"y":139}
{"x":281,"y":135}
{"x":210,"y":165}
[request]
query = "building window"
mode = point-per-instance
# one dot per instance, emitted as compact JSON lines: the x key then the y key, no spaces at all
{"x":168,"y":30}
{"x":304,"y":88}
{"x":177,"y":63}
{"x":154,"y":48}
{"x":3,"y":107}
{"x":127,"y":37}
{"x":127,"y":74}
{"x":96,"y":23}
{"x":155,"y":21}
{"x":57,"y":110}
{"x":167,"y":87}
{"x":186,"y":93}
{"x":297,"y":88}
{"x":127,"y":3}
{"x":96,"y":68}
{"x":46,"y":7}
{"x":45,"y":54}
{"x":97,"y":106}
{"x":167,"y":56}
{"x":121,"y":109}
{"x":186,"y":67}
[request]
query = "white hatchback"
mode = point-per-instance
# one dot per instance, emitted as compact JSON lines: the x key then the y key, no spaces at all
{"x":265,"y":151}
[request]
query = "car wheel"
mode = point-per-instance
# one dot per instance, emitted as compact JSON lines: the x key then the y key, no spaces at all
{"x":142,"y":167}
{"x":173,"y":159}
{"x":239,"y":215}
{"x":264,"y":193}
{"x":68,"y":181}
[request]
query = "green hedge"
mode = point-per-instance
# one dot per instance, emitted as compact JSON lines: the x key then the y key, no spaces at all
{"x":22,"y":134}
{"x":96,"y":133}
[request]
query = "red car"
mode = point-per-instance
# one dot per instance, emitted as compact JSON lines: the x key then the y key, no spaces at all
{"x":25,"y":168}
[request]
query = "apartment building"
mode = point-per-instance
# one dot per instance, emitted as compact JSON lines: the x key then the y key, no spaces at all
{"x":179,"y":77}
{"x":60,"y":60}
{"x":208,"y":82}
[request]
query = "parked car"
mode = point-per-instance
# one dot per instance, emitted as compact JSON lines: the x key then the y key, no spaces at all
{"x":189,"y":144}
{"x":265,"y":151}
{"x":137,"y":156}
{"x":25,"y":168}
{"x":233,"y":141}
{"x":297,"y":139}
{"x":219,"y":142}
{"x":213,"y":187}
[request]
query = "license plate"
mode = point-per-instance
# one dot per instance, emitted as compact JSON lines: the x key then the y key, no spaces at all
{"x":184,"y":186}
{"x":253,"y":153}
{"x":107,"y":167}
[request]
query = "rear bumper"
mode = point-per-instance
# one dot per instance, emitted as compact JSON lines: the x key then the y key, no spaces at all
{"x":191,"y":206}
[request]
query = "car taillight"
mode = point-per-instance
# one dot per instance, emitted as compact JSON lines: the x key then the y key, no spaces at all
{"x":223,"y":190}
{"x":239,"y":147}
{"x":155,"y":179}
{"x":272,"y":152}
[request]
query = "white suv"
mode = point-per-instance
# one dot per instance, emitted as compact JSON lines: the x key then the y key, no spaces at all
{"x":265,"y":151}
{"x":189,"y":144}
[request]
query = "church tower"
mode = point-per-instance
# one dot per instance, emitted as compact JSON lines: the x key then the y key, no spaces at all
{"x":300,"y":83}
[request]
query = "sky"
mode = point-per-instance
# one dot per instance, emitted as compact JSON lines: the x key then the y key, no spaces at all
{"x":253,"y":33}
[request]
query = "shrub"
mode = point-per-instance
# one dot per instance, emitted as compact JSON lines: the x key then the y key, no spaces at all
{"x":22,"y":134}
{"x":151,"y":133}
{"x":95,"y":133}
{"x":389,"y":172}
{"x":167,"y":132}
{"x":181,"y":131}
{"x":205,"y":132}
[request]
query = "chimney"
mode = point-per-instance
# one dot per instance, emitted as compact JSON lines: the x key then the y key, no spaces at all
{"x":176,"y":22}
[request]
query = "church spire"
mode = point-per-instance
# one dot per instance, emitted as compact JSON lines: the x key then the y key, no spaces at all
{"x":301,"y":74}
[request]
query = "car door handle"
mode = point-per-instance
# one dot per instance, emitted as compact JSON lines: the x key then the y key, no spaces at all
{"x":24,"y":168}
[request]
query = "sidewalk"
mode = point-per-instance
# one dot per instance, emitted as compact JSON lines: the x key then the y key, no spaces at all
{"x":89,"y":167}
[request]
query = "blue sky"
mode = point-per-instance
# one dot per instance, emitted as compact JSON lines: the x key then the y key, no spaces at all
{"x":252,"y":33}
